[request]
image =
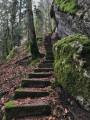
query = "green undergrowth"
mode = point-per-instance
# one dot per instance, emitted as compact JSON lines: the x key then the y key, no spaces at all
{"x":69,"y":6}
{"x":34,"y":62}
{"x":27,"y":48}
{"x":13,"y":53}
{"x":27,"y":45}
{"x":53,"y":84}
{"x":72,"y":64}
{"x":4,"y":118}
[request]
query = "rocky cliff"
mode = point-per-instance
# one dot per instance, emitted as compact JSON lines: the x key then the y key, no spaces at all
{"x":72,"y":61}
{"x":71,"y":17}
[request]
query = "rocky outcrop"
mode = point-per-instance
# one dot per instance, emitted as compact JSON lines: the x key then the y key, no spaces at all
{"x":72,"y":66}
{"x":70,"y":23}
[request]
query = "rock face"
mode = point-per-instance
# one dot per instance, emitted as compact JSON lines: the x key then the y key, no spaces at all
{"x":70,"y":23}
{"x":72,"y":66}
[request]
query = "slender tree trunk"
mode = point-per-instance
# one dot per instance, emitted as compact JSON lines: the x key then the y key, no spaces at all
{"x":49,"y":16}
{"x":7,"y":38}
{"x":20,"y":8}
{"x":12,"y":42}
{"x":34,"y":49}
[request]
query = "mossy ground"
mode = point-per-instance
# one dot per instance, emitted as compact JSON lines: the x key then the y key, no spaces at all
{"x":10,"y":104}
{"x":67,"y":5}
{"x":72,"y":64}
{"x":34,"y":62}
{"x":13,"y":53}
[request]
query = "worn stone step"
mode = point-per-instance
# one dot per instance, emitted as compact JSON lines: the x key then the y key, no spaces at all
{"x":38,"y":83}
{"x":45,"y":65}
{"x":49,"y":53}
{"x":49,"y":49}
{"x":39,"y":75}
{"x":48,"y":46}
{"x":48,"y":61}
{"x":50,"y":58}
{"x":25,"y":93}
{"x":26,"y":107}
{"x":43,"y":70}
{"x":47,"y":42}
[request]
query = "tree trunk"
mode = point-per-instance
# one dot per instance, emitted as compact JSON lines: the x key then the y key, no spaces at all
{"x":49,"y":16}
{"x":20,"y":8}
{"x":33,"y":43}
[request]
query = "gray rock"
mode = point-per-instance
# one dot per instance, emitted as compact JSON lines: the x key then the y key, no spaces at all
{"x":67,"y":24}
{"x":83,"y":102}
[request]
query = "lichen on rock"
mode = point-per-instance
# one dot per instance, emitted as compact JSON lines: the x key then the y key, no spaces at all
{"x":72,"y":64}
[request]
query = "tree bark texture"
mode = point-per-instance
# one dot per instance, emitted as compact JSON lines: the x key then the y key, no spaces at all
{"x":31,"y":29}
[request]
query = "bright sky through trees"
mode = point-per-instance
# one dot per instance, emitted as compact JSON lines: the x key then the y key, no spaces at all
{"x":36,"y":1}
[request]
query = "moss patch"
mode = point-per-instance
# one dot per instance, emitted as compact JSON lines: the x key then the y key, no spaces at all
{"x":22,"y":111}
{"x":10,"y":104}
{"x":13,"y":53}
{"x":19,"y":89}
{"x":72,"y":64}
{"x":70,"y":6}
{"x":34,"y":62}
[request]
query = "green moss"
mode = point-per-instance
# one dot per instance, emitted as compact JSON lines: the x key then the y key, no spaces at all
{"x":34,"y":62}
{"x":70,"y":54}
{"x":4,"y":118}
{"x":27,"y":48}
{"x":20,"y":111}
{"x":67,"y":5}
{"x":13,"y":53}
{"x":53,"y":84}
{"x":19,"y":89}
{"x":10,"y":104}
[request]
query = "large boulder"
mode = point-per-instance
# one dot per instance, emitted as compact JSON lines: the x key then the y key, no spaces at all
{"x":72,"y":65}
{"x":71,"y":17}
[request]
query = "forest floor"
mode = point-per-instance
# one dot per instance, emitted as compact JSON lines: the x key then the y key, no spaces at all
{"x":11,"y":74}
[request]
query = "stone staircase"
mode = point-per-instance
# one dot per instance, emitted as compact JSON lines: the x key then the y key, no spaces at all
{"x":27,"y":99}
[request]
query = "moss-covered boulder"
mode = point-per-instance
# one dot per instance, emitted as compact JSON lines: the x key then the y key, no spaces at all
{"x":69,"y":6}
{"x":72,"y":64}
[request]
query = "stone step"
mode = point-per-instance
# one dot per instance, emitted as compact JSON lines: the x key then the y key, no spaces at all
{"x":48,"y":46}
{"x":50,"y":58}
{"x":38,"y":83}
{"x":26,"y":107}
{"x":45,"y":65}
{"x":48,"y":61}
{"x":43,"y":70}
{"x":49,"y":49}
{"x":39,"y":75}
{"x":32,"y":93}
{"x":49,"y":53}
{"x":47,"y":43}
